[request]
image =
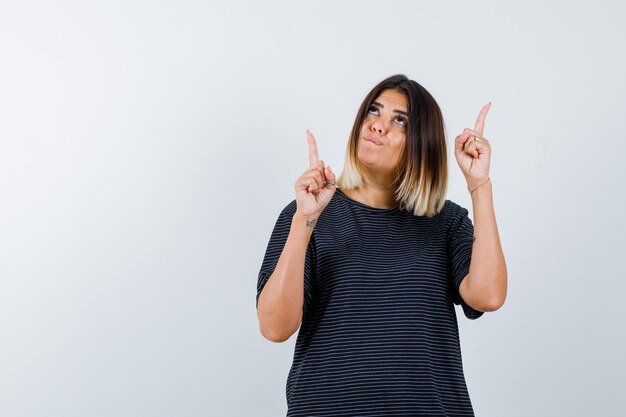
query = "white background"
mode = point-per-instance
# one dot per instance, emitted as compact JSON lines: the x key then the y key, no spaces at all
{"x":147,"y":148}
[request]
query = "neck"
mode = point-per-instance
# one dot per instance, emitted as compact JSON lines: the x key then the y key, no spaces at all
{"x":371,"y":192}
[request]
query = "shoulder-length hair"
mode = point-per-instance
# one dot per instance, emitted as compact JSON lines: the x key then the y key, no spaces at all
{"x":421,"y":179}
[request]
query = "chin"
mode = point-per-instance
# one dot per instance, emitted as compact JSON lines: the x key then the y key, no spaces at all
{"x":369,"y":160}
{"x":372,"y":161}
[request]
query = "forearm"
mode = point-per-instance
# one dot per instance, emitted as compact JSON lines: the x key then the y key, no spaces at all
{"x":488,"y":274}
{"x":282,"y":298}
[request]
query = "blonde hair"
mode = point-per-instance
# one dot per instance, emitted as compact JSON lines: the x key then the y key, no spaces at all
{"x":421,"y":179}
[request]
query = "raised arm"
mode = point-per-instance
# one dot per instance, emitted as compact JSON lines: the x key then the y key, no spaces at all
{"x":281,"y":302}
{"x":485,"y":287}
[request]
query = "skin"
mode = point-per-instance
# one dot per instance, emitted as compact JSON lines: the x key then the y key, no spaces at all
{"x":380,"y":162}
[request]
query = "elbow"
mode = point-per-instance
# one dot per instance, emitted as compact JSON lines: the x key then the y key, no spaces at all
{"x":278,"y":339}
{"x":492,"y":298}
{"x":270,"y":332}
{"x":276,"y":327}
{"x":275,"y":337}
{"x":494,"y":303}
{"x":277,"y":334}
{"x":497,"y":301}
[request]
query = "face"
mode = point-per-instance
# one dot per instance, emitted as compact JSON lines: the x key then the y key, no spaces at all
{"x":383,"y":133}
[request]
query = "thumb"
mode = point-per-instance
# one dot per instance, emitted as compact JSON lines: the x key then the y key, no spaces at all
{"x":459,"y":143}
{"x":330,"y":174}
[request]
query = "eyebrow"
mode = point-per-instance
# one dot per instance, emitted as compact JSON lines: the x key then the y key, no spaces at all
{"x":377,"y":104}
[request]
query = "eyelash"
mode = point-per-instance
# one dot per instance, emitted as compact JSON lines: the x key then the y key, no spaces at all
{"x":404,"y":120}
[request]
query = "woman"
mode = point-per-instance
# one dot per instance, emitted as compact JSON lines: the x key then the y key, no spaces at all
{"x":370,"y":264}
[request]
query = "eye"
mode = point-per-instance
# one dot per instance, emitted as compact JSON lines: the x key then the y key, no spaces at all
{"x":403,"y":121}
{"x":372,"y":108}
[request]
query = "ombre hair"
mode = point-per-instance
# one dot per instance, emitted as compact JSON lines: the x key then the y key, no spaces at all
{"x":421,"y":179}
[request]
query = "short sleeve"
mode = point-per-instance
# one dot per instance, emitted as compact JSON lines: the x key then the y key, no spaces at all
{"x":460,"y":243}
{"x":274,"y":250}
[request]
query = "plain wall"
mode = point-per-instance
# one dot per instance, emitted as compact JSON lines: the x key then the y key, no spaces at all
{"x":147,"y":148}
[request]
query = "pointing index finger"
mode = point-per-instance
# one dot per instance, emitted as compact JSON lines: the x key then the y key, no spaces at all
{"x":480,"y":122}
{"x":313,"y":156}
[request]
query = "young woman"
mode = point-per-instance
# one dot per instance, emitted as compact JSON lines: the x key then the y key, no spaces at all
{"x":369,"y":265}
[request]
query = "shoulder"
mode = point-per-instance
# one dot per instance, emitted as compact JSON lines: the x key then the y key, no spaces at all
{"x":455,"y":215}
{"x":286,"y":213}
{"x":290,"y":208}
{"x":452,"y":210}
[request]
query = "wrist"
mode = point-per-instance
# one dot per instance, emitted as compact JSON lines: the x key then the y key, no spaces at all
{"x":306,"y":220}
{"x":473,"y":185}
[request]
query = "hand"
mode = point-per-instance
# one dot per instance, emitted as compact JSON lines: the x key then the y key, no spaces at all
{"x":473,"y":156}
{"x":312,"y":191}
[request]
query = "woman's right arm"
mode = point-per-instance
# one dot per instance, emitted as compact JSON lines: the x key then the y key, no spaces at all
{"x":282,"y":299}
{"x":281,"y":302}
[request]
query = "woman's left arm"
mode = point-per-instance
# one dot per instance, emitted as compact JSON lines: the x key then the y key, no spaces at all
{"x":485,"y":287}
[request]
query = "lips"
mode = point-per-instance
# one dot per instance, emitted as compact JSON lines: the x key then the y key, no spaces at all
{"x":373,"y":140}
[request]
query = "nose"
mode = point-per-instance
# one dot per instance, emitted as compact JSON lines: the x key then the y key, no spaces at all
{"x":379,"y":127}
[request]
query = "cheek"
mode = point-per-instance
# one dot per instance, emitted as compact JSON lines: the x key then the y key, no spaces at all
{"x":398,"y":148}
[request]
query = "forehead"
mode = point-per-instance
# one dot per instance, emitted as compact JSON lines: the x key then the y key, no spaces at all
{"x":393,"y":99}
